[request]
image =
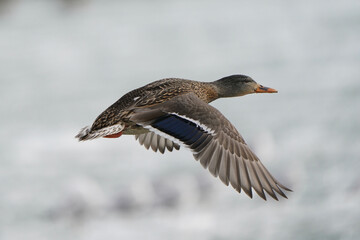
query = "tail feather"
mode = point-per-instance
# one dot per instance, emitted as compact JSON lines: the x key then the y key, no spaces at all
{"x":87,"y":134}
{"x":84,"y":132}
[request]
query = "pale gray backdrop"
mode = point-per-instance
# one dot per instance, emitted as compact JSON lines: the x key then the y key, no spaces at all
{"x":63,"y":62}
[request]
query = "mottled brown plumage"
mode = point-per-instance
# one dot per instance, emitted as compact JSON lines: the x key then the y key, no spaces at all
{"x":151,"y":94}
{"x":173,"y":111}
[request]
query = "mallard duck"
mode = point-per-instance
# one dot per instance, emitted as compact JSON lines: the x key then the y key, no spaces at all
{"x":171,"y":112}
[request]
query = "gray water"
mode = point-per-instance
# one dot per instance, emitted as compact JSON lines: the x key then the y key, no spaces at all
{"x":63,"y":62}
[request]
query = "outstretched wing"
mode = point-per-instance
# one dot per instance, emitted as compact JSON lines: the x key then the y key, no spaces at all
{"x":156,"y":142}
{"x":214,"y":141}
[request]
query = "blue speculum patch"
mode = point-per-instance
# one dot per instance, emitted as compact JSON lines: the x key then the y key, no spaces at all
{"x":186,"y":131}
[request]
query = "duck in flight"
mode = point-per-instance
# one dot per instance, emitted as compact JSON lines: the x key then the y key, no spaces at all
{"x":171,"y":112}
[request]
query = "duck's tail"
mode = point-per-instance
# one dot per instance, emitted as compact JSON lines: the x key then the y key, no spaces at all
{"x":87,"y":133}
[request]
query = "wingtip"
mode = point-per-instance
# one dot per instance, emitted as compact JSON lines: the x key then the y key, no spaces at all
{"x":263,"y":196}
{"x":281,"y":192}
{"x":273,"y":195}
{"x":248,"y":192}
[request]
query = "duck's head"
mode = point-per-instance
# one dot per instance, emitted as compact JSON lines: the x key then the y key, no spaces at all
{"x":239,"y":85}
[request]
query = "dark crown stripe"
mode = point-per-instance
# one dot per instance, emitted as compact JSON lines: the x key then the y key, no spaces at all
{"x":185,"y":130}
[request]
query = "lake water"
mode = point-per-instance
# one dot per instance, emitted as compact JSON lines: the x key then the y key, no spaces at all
{"x":63,"y":62}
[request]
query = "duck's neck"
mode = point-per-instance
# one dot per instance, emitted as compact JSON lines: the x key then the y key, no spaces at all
{"x":207,"y":92}
{"x":222,"y":90}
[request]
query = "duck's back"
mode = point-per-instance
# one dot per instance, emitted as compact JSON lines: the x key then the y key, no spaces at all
{"x":152,"y":94}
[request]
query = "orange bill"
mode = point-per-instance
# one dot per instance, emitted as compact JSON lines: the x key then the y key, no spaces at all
{"x":262,"y":89}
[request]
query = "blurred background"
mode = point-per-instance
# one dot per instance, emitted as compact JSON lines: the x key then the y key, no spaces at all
{"x":63,"y":62}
